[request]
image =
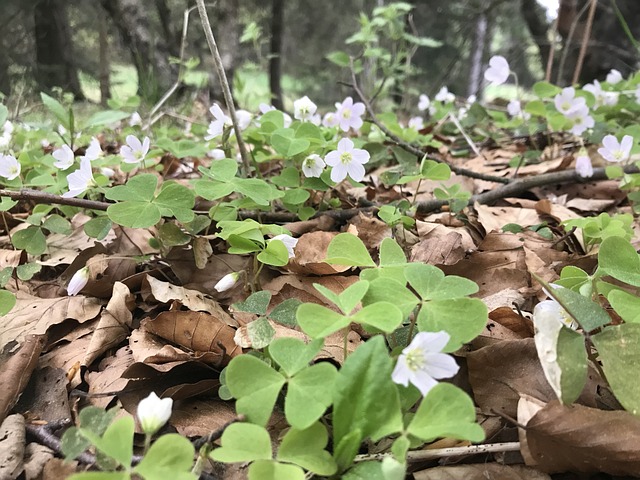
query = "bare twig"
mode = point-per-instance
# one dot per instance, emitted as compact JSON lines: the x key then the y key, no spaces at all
{"x":422,"y":455}
{"x":224,"y":83}
{"x":49,"y":199}
{"x":585,"y":41}
{"x":410,"y":148}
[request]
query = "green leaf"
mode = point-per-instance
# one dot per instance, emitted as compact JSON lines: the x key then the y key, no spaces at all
{"x":106,"y":117}
{"x":134,"y":214}
{"x":55,"y":107}
{"x":243,"y":442}
{"x":171,"y":235}
{"x":96,"y":419}
{"x":275,"y":254}
{"x":284,"y":142}
{"x":117,"y":440}
{"x":618,"y":350}
{"x":100,"y":476}
{"x":618,"y":258}
{"x":448,"y":412}
{"x":139,"y":188}
{"x":257,"y":303}
{"x":170,"y":456}
{"x":285,"y":312}
{"x":292,"y":354}
{"x":272,"y":470}
{"x":391,"y":253}
{"x":432,"y":170}
{"x":30,"y":239}
{"x":588,"y":314}
{"x":572,"y":360}
{"x":213,"y":190}
{"x":260,"y":333}
{"x":347,"y":448}
{"x":7,"y":302}
{"x":176,"y":199}
{"x":431,"y":284}
{"x":257,"y":190}
{"x":388,"y":290}
{"x":309,"y":394}
{"x":339,"y":58}
{"x":625,"y":305}
{"x":348,"y":249}
{"x":73,"y":442}
{"x":27,"y":271}
{"x":256,"y":386}
{"x":384,"y":316}
{"x":98,"y":227}
{"x":318,"y":321}
{"x":222,"y":170}
{"x":57,"y":224}
{"x":545,"y":89}
{"x":462,"y":318}
{"x":351,"y":296}
{"x":306,"y":447}
{"x":4,"y":114}
{"x":365,"y":398}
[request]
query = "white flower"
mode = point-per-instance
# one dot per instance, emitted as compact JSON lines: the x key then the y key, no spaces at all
{"x":581,"y":120}
{"x":614,"y":151}
{"x":313,"y":165}
{"x":498,"y":71}
{"x":61,"y":130}
{"x":347,"y":160}
{"x":107,"y":172}
{"x":94,"y":150}
{"x":289,"y":242}
{"x":567,"y":102}
{"x":80,"y":180}
{"x":424,"y":103}
{"x":416,"y":123}
{"x":583,"y":165}
{"x":135,"y":119}
{"x":244,"y":119}
{"x":471,"y":99}
{"x":9,"y":167}
{"x":134,"y":151}
{"x":445,"y":96}
{"x":217,"y":126}
{"x":7,"y":128}
{"x":153,"y":413}
{"x":614,"y":76}
{"x":216,"y":154}
{"x":349,"y":114}
{"x":226,"y":282}
{"x":78,"y":281}
{"x":602,"y":97}
{"x":423,"y":362}
{"x":64,"y":156}
{"x":330,"y":120}
{"x":304,"y":109}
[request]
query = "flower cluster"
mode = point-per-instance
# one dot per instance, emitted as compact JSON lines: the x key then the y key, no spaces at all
{"x":575,"y":109}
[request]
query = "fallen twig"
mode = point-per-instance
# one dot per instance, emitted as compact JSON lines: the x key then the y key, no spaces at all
{"x":422,"y":455}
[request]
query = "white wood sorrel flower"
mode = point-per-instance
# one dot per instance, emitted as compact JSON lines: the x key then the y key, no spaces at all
{"x":9,"y":167}
{"x":135,"y":150}
{"x":80,"y":180}
{"x":423,"y":362}
{"x":614,"y":151}
{"x":347,"y":160}
{"x":350,"y":114}
{"x":288,"y":241}
{"x":313,"y":165}
{"x":304,"y":109}
{"x":78,"y":281}
{"x":226,"y":282}
{"x":498,"y":71}
{"x":153,"y":412}
{"x":64,"y":157}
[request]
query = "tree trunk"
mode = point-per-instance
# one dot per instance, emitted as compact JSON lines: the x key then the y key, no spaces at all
{"x":54,"y":52}
{"x":477,"y":54}
{"x":148,"y":49}
{"x":105,"y":64}
{"x":535,"y":18}
{"x":275,"y":61}
{"x":171,"y":36}
{"x":226,"y":30}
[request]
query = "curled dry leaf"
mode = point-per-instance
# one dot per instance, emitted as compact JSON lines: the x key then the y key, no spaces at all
{"x":311,"y":250}
{"x":12,"y":445}
{"x":573,"y":438}
{"x":196,"y":331}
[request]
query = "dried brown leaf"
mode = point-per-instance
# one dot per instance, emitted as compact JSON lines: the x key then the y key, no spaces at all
{"x":483,"y":471}
{"x":573,"y":438}
{"x":12,"y":446}
{"x":311,"y":251}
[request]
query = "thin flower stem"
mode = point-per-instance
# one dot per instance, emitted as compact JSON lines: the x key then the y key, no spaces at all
{"x":224,"y":83}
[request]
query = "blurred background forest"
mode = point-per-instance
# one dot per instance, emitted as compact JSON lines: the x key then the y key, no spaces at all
{"x":276,"y":50}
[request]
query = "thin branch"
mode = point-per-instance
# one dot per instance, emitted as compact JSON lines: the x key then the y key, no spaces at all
{"x":410,"y":148}
{"x":585,"y":41}
{"x":37,"y":196}
{"x":224,"y":83}
{"x":436,"y":453}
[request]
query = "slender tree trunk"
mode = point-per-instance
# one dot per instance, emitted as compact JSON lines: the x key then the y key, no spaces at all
{"x":535,"y":18}
{"x":170,"y":35}
{"x":226,"y":29}
{"x":275,"y":61}
{"x":105,"y":64}
{"x":477,"y":54}
{"x":148,"y":50}
{"x":54,"y":48}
